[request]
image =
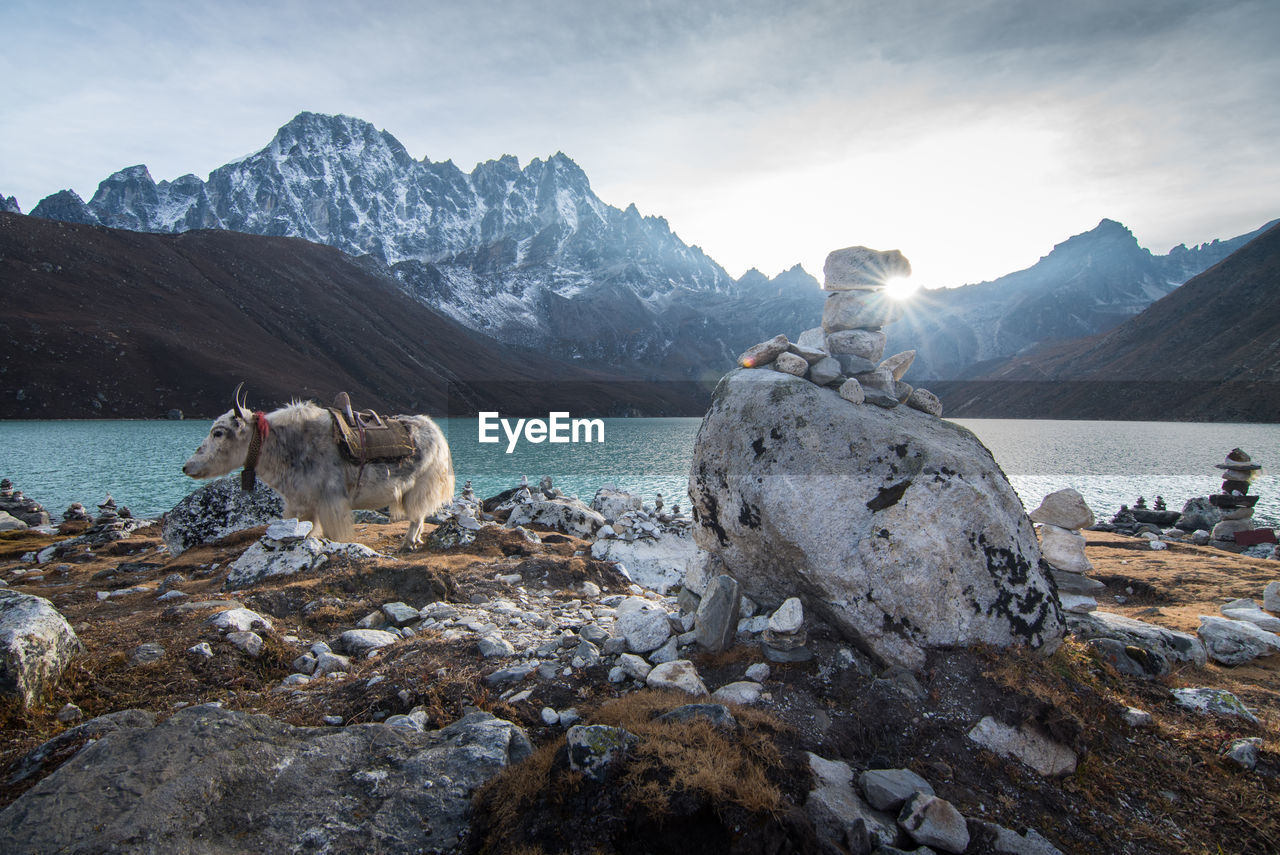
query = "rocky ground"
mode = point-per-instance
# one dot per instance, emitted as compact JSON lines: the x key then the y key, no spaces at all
{"x":535,"y":631}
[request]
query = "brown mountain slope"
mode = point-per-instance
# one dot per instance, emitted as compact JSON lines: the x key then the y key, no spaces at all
{"x":104,"y":323}
{"x":1209,"y":351}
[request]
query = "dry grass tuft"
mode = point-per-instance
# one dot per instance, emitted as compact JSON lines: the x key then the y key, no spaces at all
{"x":675,"y":769}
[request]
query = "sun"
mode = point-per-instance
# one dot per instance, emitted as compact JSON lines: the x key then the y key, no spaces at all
{"x":900,"y":288}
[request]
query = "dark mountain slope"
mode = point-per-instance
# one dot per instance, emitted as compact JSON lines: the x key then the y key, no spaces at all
{"x":1208,"y":351}
{"x":101,"y":322}
{"x":1087,"y":285}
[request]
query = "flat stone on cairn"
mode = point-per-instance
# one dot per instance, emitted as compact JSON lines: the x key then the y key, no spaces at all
{"x":845,"y":352}
{"x":859,"y":268}
{"x":1234,"y":501}
{"x":1061,"y":515}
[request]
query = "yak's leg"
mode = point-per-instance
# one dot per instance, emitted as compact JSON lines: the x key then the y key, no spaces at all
{"x":333,"y":515}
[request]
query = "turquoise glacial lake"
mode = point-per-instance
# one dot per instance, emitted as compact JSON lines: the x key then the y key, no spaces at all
{"x":139,"y":462}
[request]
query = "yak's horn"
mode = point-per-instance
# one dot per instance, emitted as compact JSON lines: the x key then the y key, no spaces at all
{"x":238,"y":405}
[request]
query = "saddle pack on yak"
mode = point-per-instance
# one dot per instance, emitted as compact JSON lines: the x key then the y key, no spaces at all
{"x":363,"y":436}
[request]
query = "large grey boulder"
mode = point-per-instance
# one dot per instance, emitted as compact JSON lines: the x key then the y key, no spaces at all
{"x":1170,"y":643}
{"x":612,"y":503}
{"x":897,"y":527}
{"x":36,"y":645}
{"x":1198,"y":513}
{"x":562,"y":514}
{"x":269,"y":557}
{"x":655,"y":563}
{"x":216,"y":781}
{"x":1234,"y":642}
{"x":217,"y":510}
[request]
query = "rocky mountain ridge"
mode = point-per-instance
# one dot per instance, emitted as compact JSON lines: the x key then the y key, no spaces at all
{"x":533,"y":257}
{"x":1088,"y":284}
{"x":1208,"y":351}
{"x":528,"y":255}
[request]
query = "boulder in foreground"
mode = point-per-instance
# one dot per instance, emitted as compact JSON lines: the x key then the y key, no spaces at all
{"x":36,"y":644}
{"x":278,"y":788}
{"x":217,"y":510}
{"x":897,"y":527}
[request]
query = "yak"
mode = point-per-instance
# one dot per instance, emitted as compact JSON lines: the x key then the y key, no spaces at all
{"x":294,"y":451}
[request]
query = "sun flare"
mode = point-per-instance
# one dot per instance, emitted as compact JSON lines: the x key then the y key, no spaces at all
{"x":900,"y":288}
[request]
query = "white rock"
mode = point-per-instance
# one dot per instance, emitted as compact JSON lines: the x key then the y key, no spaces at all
{"x":898,"y":364}
{"x":1255,"y":616}
{"x":758,"y":671}
{"x":644,"y":624}
{"x":935,"y":822}
{"x":1173,"y":645}
{"x":1077,"y":603}
{"x":290,"y":529}
{"x":860,"y":267}
{"x":330,"y":663}
{"x":907,"y":495}
{"x":562,"y":514}
{"x":1216,"y":701}
{"x":550,"y":717}
{"x":658,"y":564}
{"x":850,"y":310}
{"x":851,"y":390}
{"x":789,"y":617}
{"x":763,"y":353}
{"x":249,"y":643}
{"x":869,"y":344}
{"x":1158,"y":545}
{"x":203,"y":650}
{"x":1065,"y":508}
{"x":357,"y":641}
{"x":679,"y":675}
{"x":835,"y":808}
{"x":1271,"y":597}
{"x":746,"y":692}
{"x":612,"y":503}
{"x":888,"y":789}
{"x":1135,"y":717}
{"x":494,"y":645}
{"x":1064,"y":549}
{"x":811,"y":338}
{"x":634,"y":666}
{"x":789,"y":363}
{"x":1024,"y":745}
{"x":239,"y":620}
{"x":1234,"y":642}
{"x":269,"y":558}
{"x":925,"y":401}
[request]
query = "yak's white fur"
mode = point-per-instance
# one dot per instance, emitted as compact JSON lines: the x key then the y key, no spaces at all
{"x":300,"y":461}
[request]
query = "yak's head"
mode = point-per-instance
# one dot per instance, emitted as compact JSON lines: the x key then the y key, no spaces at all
{"x":224,"y":449}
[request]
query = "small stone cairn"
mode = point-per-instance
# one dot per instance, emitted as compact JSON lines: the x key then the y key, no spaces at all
{"x":1234,"y":500}
{"x":20,"y":507}
{"x":1061,"y":516}
{"x":845,"y":352}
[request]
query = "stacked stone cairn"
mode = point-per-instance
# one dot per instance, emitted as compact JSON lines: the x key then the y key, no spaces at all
{"x":76,"y":512}
{"x":21,"y":508}
{"x":1061,"y":516}
{"x":845,"y":352}
{"x":1234,"y":501}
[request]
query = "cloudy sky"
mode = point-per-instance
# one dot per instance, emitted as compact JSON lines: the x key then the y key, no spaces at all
{"x":972,"y":136}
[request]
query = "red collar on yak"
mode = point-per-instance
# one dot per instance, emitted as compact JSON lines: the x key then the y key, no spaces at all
{"x":262,"y":427}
